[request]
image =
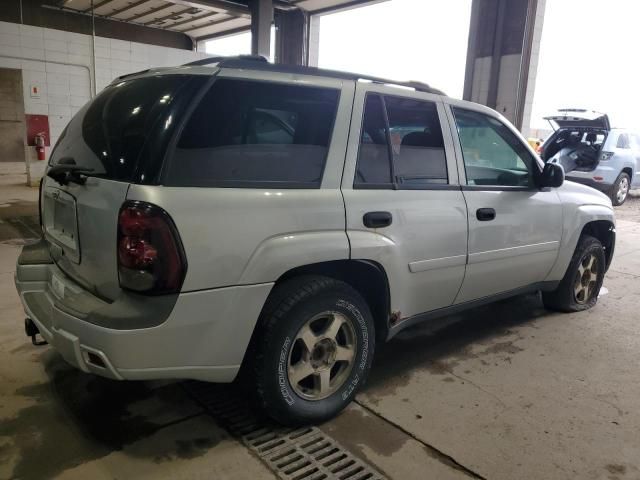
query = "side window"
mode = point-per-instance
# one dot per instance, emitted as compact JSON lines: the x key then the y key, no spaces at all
{"x":374,"y":166}
{"x":255,"y":134}
{"x":416,"y":138}
{"x":493,"y":155}
{"x":401,"y":143}
{"x":623,"y":141}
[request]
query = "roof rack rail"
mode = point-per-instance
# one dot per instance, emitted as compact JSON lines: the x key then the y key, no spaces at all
{"x":258,"y":62}
{"x":210,"y":60}
{"x":417,"y":86}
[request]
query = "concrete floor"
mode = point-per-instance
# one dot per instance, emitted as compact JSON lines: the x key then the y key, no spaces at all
{"x":509,"y":391}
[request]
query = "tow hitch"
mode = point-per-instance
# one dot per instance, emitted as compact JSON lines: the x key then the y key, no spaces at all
{"x":32,"y":331}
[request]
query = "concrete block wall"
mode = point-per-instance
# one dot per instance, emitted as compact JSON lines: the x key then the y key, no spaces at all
{"x":60,"y":65}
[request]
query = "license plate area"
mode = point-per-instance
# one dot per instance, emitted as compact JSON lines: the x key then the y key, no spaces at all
{"x":59,"y":218}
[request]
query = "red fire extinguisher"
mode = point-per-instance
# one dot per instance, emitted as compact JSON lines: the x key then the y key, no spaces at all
{"x":40,"y":142}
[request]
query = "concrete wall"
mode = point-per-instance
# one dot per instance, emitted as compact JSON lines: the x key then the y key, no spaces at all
{"x":504,"y":45}
{"x":533,"y":70}
{"x":59,"y":63}
{"x":11,"y":116}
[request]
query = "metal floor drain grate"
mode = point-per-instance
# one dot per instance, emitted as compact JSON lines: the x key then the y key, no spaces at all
{"x":292,"y":454}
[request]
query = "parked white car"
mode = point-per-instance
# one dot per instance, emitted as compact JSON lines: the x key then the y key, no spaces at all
{"x":593,"y":153}
{"x":285,"y":220}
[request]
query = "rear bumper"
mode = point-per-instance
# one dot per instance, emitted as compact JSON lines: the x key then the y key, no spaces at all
{"x":590,"y":182}
{"x":602,"y":178}
{"x":204,"y":337}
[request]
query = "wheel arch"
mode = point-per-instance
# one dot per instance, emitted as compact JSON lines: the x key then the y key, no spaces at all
{"x":605,"y":232}
{"x":367,"y":277}
{"x":592,"y":219}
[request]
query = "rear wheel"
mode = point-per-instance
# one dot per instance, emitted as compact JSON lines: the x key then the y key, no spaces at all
{"x":581,"y":284}
{"x":315,"y":350}
{"x":620,"y":189}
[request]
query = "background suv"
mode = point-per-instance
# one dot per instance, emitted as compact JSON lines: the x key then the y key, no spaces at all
{"x":279,"y":221}
{"x":593,"y":153}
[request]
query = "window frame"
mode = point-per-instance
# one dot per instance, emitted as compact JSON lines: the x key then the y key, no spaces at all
{"x":462,"y":167}
{"x":281,"y":185}
{"x":394,"y":185}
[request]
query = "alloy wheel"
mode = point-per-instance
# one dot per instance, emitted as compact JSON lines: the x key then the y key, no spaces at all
{"x":586,"y":279}
{"x":322,"y":356}
{"x":623,"y":189}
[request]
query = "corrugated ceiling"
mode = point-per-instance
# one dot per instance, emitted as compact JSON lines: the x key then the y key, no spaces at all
{"x":196,"y":18}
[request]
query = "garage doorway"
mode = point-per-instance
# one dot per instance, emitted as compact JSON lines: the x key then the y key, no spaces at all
{"x":12,"y":126}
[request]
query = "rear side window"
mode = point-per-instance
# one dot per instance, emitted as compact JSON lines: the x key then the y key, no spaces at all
{"x":374,"y":162}
{"x":255,"y":134}
{"x":623,"y":141}
{"x":108,"y":135}
{"x":401,"y":143}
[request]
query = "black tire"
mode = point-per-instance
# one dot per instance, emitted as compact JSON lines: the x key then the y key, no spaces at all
{"x":289,"y":308}
{"x":564,"y":297}
{"x":615,"y":189}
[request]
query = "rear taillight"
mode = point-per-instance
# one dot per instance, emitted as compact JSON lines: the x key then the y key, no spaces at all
{"x":150,"y":255}
{"x":606,"y":155}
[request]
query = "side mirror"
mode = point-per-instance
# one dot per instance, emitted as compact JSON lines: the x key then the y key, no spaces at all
{"x":552,"y":175}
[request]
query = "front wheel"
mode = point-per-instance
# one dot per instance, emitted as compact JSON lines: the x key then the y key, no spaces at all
{"x":620,"y":189}
{"x":315,"y":350}
{"x":581,"y":284}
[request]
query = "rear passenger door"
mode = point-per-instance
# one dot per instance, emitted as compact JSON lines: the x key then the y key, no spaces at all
{"x":404,"y":206}
{"x":515,"y":227}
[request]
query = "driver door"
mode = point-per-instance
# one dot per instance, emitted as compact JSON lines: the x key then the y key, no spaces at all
{"x":515,"y":228}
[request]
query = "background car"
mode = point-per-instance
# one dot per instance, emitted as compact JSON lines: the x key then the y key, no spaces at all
{"x":593,"y":153}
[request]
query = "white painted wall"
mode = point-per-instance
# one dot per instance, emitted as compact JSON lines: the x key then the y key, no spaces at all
{"x":59,"y":63}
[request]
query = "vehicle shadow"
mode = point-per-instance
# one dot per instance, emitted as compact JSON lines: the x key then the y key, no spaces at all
{"x":439,"y":345}
{"x":74,"y":418}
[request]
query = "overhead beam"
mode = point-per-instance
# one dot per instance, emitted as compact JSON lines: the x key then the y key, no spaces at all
{"x":344,"y":6}
{"x":150,"y":12}
{"x":219,"y":6}
{"x":208,"y":24}
{"x":98,"y":5}
{"x":197,"y":18}
{"x":170,"y":16}
{"x":225,"y":33}
{"x":128,"y":7}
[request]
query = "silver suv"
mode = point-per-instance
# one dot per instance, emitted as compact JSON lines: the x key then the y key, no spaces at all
{"x":278,"y":221}
{"x":593,"y":153}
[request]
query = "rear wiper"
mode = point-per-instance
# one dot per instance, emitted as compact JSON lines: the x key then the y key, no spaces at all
{"x":63,"y":174}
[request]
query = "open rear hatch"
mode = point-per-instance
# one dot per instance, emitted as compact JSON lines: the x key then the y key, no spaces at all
{"x":578,"y":138}
{"x":117,"y":139}
{"x":578,"y":118}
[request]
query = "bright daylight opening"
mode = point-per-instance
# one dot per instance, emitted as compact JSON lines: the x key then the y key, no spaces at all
{"x":430,"y":45}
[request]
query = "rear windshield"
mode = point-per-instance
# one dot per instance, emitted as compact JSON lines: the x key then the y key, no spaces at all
{"x":108,"y":134}
{"x":255,"y":134}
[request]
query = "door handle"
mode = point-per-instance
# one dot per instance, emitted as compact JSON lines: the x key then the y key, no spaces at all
{"x":377,"y":219}
{"x":485,"y":214}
